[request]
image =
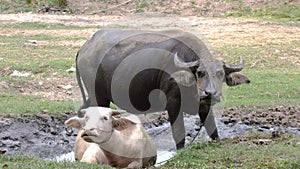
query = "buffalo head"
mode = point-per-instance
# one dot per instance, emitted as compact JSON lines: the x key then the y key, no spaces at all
{"x":210,"y":75}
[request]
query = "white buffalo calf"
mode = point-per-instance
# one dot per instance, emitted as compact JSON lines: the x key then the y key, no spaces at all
{"x":123,"y":142}
{"x":88,"y":152}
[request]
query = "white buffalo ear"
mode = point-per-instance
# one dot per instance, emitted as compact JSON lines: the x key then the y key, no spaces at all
{"x":236,"y":78}
{"x":75,"y":122}
{"x":184,"y":78}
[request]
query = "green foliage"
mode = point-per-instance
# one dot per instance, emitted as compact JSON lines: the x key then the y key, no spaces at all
{"x":140,"y":5}
{"x":113,"y":106}
{"x":30,"y":5}
{"x":60,"y":3}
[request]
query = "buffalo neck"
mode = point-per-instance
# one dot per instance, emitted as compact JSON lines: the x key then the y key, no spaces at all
{"x":121,"y":145}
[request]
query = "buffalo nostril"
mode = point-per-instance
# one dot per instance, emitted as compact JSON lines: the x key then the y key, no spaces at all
{"x":210,"y":92}
{"x":207,"y":93}
{"x":92,"y":129}
{"x":88,"y":130}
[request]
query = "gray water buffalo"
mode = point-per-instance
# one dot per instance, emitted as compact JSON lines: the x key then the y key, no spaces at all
{"x":144,"y":72}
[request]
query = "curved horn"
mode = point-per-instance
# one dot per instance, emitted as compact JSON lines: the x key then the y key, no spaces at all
{"x":179,"y":63}
{"x":229,"y":68}
{"x":117,"y":112}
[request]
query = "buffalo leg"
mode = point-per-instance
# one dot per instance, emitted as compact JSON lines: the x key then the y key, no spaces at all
{"x":207,"y":117}
{"x":210,"y":126}
{"x":177,"y":125}
{"x":84,"y":106}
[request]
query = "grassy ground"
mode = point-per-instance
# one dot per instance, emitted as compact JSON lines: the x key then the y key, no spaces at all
{"x":49,"y":50}
{"x":22,"y":162}
{"x":283,"y":14}
{"x":273,"y":68}
{"x":255,"y":151}
{"x":252,"y":151}
{"x":42,"y":54}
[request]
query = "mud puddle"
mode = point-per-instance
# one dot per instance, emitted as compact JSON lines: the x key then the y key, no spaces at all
{"x":45,"y":136}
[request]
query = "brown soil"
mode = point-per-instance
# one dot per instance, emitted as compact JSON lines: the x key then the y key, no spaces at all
{"x":284,"y":116}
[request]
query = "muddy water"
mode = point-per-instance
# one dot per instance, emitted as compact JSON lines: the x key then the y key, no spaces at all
{"x":39,"y":135}
{"x":46,"y":136}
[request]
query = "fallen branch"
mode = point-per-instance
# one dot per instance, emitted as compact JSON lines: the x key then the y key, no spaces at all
{"x":126,"y":2}
{"x":113,"y":7}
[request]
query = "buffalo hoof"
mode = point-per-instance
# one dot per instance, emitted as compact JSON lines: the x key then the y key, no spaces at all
{"x":214,"y":135}
{"x":180,"y":145}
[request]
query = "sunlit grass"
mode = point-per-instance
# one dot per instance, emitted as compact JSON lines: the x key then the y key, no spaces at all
{"x":281,"y":14}
{"x":240,"y":153}
{"x":22,"y":162}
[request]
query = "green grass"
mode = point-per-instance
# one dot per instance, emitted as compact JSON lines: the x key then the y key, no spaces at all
{"x":22,"y":162}
{"x":19,"y":6}
{"x":233,"y":153}
{"x":42,"y":26}
{"x":40,"y":60}
{"x":281,"y":14}
{"x":275,"y":78}
{"x":273,"y":55}
{"x":242,"y":152}
{"x":274,"y":81}
{"x":19,"y":38}
{"x":19,"y":54}
{"x":14,"y":103}
{"x":267,"y":88}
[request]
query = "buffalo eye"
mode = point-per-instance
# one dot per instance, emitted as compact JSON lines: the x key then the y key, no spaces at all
{"x":220,"y":74}
{"x":87,"y":118}
{"x":200,"y":74}
{"x":105,"y":118}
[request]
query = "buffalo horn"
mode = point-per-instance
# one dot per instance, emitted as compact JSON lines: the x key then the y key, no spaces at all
{"x":230,"y":68}
{"x":117,"y":112}
{"x":179,"y":63}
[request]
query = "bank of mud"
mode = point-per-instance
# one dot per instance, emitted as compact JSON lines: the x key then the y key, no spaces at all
{"x":47,"y":137}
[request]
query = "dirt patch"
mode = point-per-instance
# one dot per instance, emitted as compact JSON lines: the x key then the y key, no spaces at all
{"x":52,"y":88}
{"x":281,"y":116}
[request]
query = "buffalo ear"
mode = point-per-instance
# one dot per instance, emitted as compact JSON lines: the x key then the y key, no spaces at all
{"x":236,"y":78}
{"x":75,"y":122}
